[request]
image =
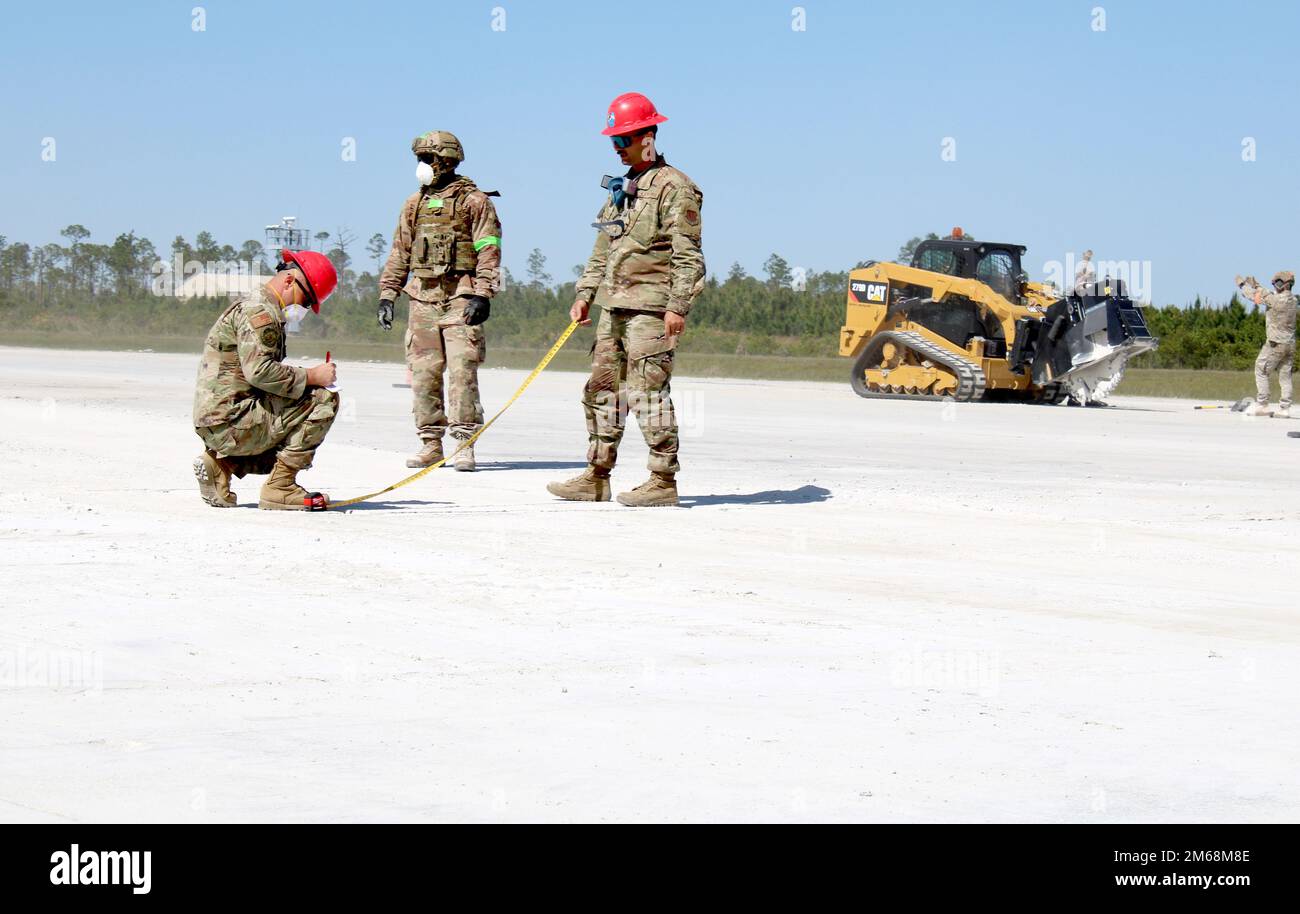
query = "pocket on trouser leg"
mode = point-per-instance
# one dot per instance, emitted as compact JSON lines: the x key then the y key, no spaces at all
{"x":654,"y":398}
{"x":479,"y":338}
{"x":652,"y":359}
{"x":465,"y":344}
{"x":217,"y":438}
{"x":253,"y":437}
{"x":424,"y":348}
{"x":326,"y":408}
{"x":606,"y":364}
{"x":650,"y":375}
{"x":657,"y":371}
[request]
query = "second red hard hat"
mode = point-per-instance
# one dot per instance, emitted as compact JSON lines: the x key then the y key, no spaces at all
{"x":629,"y":113}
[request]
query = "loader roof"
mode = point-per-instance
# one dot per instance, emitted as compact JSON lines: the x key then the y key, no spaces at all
{"x":994,"y":262}
{"x":968,"y":244}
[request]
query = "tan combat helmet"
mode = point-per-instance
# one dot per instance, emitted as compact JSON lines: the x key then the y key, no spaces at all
{"x":439,"y":143}
{"x":1284,"y":277}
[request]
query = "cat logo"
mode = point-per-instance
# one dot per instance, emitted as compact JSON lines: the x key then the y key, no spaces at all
{"x":871,"y":293}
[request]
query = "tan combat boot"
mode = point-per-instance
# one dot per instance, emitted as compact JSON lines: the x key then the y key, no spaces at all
{"x":463,"y":459}
{"x":281,"y":492}
{"x":592,"y":485}
{"x":1259,"y":409}
{"x":213,"y":475}
{"x":430,"y":454}
{"x":1282,"y":412}
{"x":658,"y":491}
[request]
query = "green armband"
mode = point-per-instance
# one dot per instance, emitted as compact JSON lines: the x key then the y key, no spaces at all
{"x":484,"y":242}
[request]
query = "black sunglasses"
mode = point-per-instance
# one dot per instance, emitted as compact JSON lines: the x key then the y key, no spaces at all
{"x":306,"y":289}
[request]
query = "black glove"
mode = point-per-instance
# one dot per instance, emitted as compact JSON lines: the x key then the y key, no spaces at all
{"x":477,"y":309}
{"x":386,"y":314}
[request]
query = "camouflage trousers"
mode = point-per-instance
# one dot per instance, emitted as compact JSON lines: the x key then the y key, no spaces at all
{"x":437,"y":340}
{"x":274,"y":428}
{"x":1279,"y":357}
{"x":631,"y":368}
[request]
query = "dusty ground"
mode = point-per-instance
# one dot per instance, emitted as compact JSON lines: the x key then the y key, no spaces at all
{"x":868,"y":611}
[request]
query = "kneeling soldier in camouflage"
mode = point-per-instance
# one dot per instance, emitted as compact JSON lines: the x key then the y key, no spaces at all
{"x":645,"y":271}
{"x":1278,"y":352}
{"x":254,"y":413}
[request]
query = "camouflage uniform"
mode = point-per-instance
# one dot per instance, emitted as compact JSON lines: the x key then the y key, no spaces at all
{"x":249,"y":408}
{"x":1085,"y":277}
{"x":1278,"y":352}
{"x":655,"y":265}
{"x":447,"y":244}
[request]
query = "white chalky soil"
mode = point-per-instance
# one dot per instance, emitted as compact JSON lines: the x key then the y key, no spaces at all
{"x":873,"y":611}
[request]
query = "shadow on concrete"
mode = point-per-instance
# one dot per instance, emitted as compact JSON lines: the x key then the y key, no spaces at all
{"x":379,"y":505}
{"x":532,"y":465}
{"x":804,"y":496}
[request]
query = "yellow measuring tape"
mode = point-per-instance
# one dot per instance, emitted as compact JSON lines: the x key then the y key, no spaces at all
{"x":546,"y":360}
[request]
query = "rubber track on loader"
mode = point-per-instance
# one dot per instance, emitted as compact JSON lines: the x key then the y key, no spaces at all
{"x":970,"y":377}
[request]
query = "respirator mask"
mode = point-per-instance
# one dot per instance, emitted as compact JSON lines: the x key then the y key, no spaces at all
{"x":430,"y":169}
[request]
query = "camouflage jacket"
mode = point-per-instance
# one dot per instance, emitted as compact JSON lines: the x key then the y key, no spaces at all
{"x":1279,"y":311}
{"x":485,"y":234}
{"x":242,"y":361}
{"x":1085,"y":275}
{"x":657,"y":262}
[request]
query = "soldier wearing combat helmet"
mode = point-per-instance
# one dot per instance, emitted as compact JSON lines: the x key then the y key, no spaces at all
{"x":645,"y":271}
{"x":446,"y":257}
{"x":1278,"y":352}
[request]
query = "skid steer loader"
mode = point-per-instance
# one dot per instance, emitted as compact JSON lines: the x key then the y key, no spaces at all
{"x":963,"y":322}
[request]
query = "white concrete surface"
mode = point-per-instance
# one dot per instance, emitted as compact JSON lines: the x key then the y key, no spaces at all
{"x":870,"y":611}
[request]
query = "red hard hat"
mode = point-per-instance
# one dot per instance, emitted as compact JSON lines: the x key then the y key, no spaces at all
{"x":318,"y":270}
{"x":629,"y":113}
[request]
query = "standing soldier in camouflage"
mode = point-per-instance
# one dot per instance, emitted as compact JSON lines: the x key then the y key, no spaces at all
{"x":645,"y":272}
{"x":447,"y":257}
{"x":1085,"y":276}
{"x":254,"y":413}
{"x":1278,"y":353}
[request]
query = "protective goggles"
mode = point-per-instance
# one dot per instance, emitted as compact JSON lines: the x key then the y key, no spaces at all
{"x":622,"y":142}
{"x":308,"y":294}
{"x":306,"y":289}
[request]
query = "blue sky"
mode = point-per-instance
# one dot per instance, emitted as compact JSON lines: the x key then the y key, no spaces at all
{"x":823,"y":145}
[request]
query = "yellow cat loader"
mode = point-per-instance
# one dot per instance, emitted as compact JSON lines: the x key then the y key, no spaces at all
{"x":963,"y":322}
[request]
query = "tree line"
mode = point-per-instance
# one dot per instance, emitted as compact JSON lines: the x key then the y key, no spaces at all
{"x":109,"y":288}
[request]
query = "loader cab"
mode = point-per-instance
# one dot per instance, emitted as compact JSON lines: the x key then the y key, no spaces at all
{"x":995,"y":264}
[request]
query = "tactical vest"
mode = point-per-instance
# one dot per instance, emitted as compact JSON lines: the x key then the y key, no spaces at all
{"x":443,"y":241}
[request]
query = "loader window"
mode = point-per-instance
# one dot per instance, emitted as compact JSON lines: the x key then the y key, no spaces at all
{"x":937,"y":260}
{"x":998,"y":272}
